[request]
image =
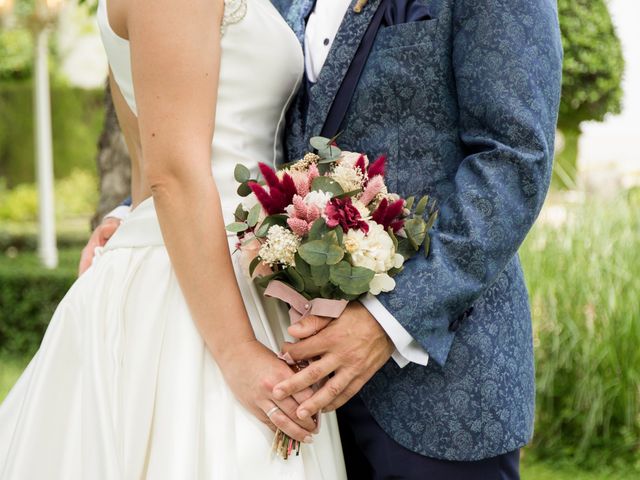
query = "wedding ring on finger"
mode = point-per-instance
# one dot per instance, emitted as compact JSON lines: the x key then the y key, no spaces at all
{"x":272,"y":411}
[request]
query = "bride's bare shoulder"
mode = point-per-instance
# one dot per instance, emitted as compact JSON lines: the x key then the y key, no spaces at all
{"x":120,"y":12}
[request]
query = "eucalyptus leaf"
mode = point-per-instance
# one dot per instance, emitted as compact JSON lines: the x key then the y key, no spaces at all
{"x":326,"y":291}
{"x":409,"y":202}
{"x":241,"y":213}
{"x":264,"y":281}
{"x":339,"y":233}
{"x":237,"y":227}
{"x":422,"y":205}
{"x":394,"y":239}
{"x":302,"y":266}
{"x":405,"y":248}
{"x":318,"y":229}
{"x":432,"y":219}
{"x":427,"y":246}
{"x":268,"y":222}
{"x":330,"y":152}
{"x":244,"y":190}
{"x":326,"y":184}
{"x":350,"y":297}
{"x":416,"y":230}
{"x":394,"y":271}
{"x":295,"y":279}
{"x":319,"y":143}
{"x":310,"y":288}
{"x":241,"y":173}
{"x":320,"y":275}
{"x":321,"y":252}
{"x":254,"y":215}
{"x":253,"y":265}
{"x":332,"y":236}
{"x":352,"y":193}
{"x":351,"y":280}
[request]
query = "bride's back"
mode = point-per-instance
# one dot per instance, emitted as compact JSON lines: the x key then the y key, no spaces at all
{"x":260,"y":68}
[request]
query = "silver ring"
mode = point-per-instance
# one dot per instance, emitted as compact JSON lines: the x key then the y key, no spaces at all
{"x":272,"y":411}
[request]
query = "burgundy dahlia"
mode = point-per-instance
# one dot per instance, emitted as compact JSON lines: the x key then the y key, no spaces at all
{"x":341,"y":211}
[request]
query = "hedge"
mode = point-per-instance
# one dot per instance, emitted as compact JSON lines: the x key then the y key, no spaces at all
{"x":29,"y":295}
{"x":77,"y":117}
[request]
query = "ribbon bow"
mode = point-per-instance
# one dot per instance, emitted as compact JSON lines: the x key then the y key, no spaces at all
{"x":301,"y":307}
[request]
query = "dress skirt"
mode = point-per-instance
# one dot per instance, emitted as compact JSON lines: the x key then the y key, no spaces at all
{"x":123,"y":386}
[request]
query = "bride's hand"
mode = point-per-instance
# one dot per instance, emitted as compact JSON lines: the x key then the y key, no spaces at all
{"x":251,"y":371}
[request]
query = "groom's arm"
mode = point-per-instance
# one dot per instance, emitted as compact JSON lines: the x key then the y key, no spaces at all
{"x":508,"y":112}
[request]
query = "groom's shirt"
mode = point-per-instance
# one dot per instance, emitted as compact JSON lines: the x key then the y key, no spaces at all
{"x":322,"y":27}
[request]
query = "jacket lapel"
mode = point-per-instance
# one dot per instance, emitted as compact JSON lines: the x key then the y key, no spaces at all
{"x":323,"y":92}
{"x":297,"y":15}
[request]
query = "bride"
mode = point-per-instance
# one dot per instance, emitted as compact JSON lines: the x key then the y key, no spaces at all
{"x":159,"y":362}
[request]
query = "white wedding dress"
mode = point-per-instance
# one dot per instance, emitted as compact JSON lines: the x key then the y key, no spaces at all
{"x":123,"y":386}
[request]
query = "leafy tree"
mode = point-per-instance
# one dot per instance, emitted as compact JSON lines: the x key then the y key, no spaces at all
{"x":592,"y":75}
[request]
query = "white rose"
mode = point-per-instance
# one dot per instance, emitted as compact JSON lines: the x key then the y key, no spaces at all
{"x":381,"y":283}
{"x":375,"y":251}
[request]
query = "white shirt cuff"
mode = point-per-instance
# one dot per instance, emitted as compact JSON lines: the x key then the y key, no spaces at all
{"x":407,"y":349}
{"x":121,"y":212}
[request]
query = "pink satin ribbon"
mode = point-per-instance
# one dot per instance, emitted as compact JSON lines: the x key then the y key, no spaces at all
{"x":300,"y":307}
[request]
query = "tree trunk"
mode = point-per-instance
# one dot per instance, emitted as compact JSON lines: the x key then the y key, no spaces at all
{"x":114,"y":167}
{"x":565,"y":170}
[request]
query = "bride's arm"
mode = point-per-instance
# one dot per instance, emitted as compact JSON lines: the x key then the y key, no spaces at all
{"x":175,"y":58}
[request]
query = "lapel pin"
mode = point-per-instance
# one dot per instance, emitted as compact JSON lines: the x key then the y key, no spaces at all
{"x":360,"y":4}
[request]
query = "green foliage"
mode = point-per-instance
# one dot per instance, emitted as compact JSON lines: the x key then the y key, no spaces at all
{"x":535,"y":469}
{"x":29,"y":295}
{"x":16,"y":54}
{"x":592,"y":76}
{"x":75,"y":195}
{"x":593,"y":62}
{"x":77,"y":118}
{"x":19,"y":204}
{"x":585,"y":293}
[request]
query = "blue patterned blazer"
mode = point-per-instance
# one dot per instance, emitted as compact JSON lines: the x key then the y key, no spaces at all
{"x":464,"y":104}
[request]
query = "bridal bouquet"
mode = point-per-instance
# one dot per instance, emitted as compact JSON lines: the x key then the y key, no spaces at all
{"x":323,"y":231}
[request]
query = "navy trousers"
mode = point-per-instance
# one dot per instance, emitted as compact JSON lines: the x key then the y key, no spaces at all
{"x":371,"y":454}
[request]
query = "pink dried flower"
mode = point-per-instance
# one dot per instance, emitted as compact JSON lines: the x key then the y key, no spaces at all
{"x":375,"y":186}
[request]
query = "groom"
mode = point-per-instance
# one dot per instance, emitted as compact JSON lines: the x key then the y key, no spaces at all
{"x":434,"y":380}
{"x":462,"y":96}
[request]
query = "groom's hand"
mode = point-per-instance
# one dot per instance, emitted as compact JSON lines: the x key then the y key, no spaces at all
{"x":353,"y":347}
{"x":99,"y":238}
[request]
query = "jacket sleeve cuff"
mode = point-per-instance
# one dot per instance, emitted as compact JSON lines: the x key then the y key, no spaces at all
{"x":408,"y":350}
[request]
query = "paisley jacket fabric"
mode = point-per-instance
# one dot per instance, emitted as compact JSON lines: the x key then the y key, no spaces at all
{"x":465,"y":105}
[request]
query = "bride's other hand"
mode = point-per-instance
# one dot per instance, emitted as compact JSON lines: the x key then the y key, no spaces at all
{"x":99,"y":238}
{"x":251,"y":371}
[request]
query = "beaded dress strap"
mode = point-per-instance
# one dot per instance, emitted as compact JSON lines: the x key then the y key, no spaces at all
{"x":234,"y":12}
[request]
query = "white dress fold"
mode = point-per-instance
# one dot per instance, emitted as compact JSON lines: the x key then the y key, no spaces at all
{"x":123,"y":386}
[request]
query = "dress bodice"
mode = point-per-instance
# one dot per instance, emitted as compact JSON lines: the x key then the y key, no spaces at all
{"x":260,"y":70}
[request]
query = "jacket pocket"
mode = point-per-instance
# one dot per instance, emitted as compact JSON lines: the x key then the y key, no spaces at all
{"x":406,"y":34}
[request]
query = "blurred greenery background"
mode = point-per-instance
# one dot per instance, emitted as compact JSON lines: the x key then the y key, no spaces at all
{"x":580,"y":260}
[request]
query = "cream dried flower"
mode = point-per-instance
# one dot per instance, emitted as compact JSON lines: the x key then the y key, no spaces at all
{"x":349,"y":178}
{"x":280,"y":247}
